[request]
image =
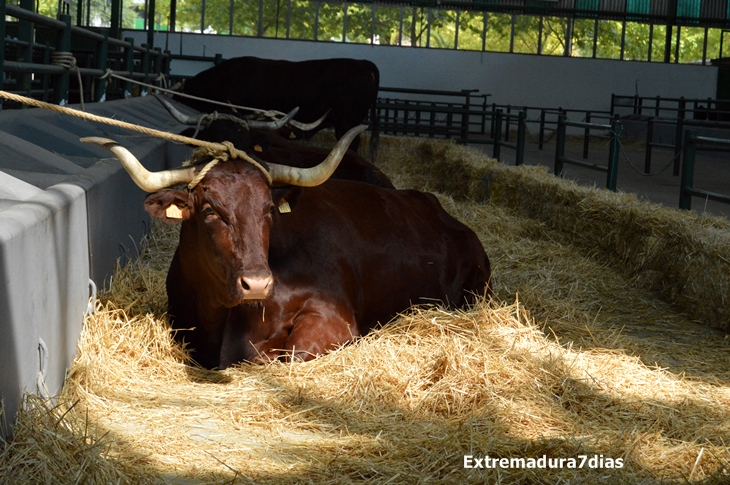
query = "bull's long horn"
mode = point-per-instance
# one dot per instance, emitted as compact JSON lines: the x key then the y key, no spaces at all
{"x":275,"y":124}
{"x":309,"y":177}
{"x":309,"y":126}
{"x":146,"y":180}
{"x":179,"y":117}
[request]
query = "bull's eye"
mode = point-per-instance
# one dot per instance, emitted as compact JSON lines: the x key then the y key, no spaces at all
{"x":208,"y":211}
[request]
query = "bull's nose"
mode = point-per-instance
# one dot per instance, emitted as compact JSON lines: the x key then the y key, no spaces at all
{"x":256,"y":287}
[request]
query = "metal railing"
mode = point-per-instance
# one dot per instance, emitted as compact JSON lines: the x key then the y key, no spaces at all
{"x":94,"y":53}
{"x":611,"y":169}
{"x":692,"y":143}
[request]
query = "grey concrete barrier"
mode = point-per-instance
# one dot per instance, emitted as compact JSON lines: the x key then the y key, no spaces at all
{"x":68,"y":212}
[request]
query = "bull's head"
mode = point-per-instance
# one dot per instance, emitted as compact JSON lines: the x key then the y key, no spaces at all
{"x":226,"y":215}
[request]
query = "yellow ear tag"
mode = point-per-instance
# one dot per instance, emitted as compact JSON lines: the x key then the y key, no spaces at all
{"x":173,"y":212}
{"x":284,"y":207}
{"x":292,"y":135}
{"x":257,"y":148}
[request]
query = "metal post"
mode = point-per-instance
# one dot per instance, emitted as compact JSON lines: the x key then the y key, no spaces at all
{"x":688,"y":169}
{"x":521,"y":128}
{"x":586,"y":135}
{"x":649,"y":141}
{"x":116,"y":19}
{"x":541,"y":139}
{"x":128,"y":65}
{"x":145,"y":68}
{"x":678,"y":136}
{"x":102,"y":54}
{"x":613,"y":152}
{"x":560,"y":146}
{"x":506,"y":131}
{"x":465,"y":118}
{"x":491,"y":128}
{"x":2,"y":45}
{"x":158,"y":62}
{"x":497,"y":133}
{"x":46,"y":82}
{"x":63,"y":44}
{"x":150,"y":24}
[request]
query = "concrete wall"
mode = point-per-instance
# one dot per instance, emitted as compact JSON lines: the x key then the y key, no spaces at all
{"x":68,"y":211}
{"x":518,"y":79}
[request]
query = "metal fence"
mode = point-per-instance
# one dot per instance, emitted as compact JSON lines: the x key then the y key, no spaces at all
{"x":40,"y":55}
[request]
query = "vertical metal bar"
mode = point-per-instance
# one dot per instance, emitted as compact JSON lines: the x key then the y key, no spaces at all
{"x":231,"y":13}
{"x":63,"y":44}
{"x":613,"y":104}
{"x":2,"y":45}
{"x":372,"y":23}
{"x":46,"y":60}
{"x":658,"y":103}
{"x":158,"y":62}
{"x":400,"y":26}
{"x":560,"y":146}
{"x":26,"y":33}
{"x":678,"y":136}
{"x":688,"y":170}
{"x":539,"y":35}
{"x":465,"y":118}
{"x":217,"y":59}
{"x":494,"y":122}
{"x":456,"y":30}
{"x":521,"y":129}
{"x":102,"y":55}
{"x":288,"y":18}
{"x":651,"y":41}
{"x":128,"y":65}
{"x":145,"y":68}
{"x":344,"y":22}
{"x":485,"y":24}
{"x":623,"y":39}
{"x":704,"y":47}
{"x":497,"y":133}
{"x":260,"y":24}
{"x":116,"y":19}
{"x":676,"y":46}
{"x":586,"y":135}
{"x":507,"y":122}
{"x":173,"y":15}
{"x":202,"y":16}
{"x":512,"y":35}
{"x":595,"y":38}
{"x":649,"y":144}
{"x":613,"y":152}
{"x":429,"y":20}
{"x":316,"y":20}
{"x":541,"y":139}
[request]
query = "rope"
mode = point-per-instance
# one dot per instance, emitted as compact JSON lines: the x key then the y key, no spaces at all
{"x":68,"y":61}
{"x":267,"y":113}
{"x":202,"y":173}
{"x":222,"y":151}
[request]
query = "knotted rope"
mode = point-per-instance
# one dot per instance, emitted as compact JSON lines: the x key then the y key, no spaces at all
{"x":229,"y":152}
{"x":219,"y":151}
{"x":263,"y":112}
{"x":68,"y":61}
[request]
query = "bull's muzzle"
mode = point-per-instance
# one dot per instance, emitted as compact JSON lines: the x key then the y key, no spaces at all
{"x":256,"y":287}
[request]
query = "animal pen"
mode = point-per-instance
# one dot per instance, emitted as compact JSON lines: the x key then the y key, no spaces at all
{"x":602,"y":357}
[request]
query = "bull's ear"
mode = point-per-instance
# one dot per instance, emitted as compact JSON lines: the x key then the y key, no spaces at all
{"x":286,"y":198}
{"x":168,"y":205}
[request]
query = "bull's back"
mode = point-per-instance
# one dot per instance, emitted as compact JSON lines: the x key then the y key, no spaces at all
{"x":284,"y":85}
{"x":384,"y":249}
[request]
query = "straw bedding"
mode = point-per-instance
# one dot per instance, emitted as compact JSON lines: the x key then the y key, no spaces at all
{"x":590,"y":348}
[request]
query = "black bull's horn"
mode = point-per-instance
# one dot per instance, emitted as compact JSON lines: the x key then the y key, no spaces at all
{"x":282,"y":174}
{"x":256,"y":124}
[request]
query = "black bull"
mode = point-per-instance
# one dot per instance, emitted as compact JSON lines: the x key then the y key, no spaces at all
{"x":347,"y":88}
{"x":256,"y":283}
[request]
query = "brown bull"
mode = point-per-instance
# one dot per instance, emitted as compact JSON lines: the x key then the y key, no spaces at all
{"x":255,"y":282}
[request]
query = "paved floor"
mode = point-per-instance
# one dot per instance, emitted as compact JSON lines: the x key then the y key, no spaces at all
{"x":712,"y":172}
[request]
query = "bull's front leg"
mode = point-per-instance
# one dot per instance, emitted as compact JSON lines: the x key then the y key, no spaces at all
{"x":320,"y":328}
